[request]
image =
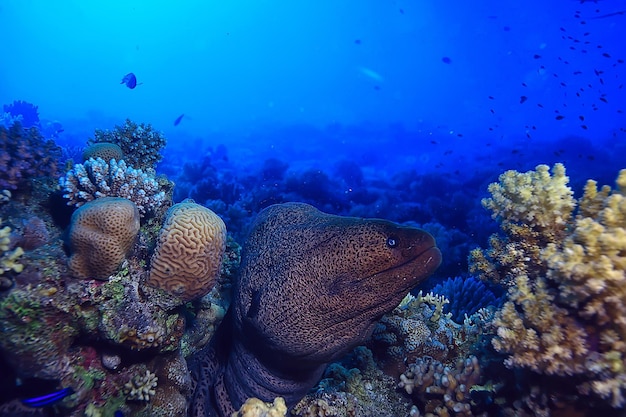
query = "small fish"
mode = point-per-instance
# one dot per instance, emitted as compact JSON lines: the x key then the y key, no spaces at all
{"x":178,"y":119}
{"x":604,"y":99}
{"x":370,"y":74}
{"x":559,"y":117}
{"x":582,"y":118}
{"x":130,"y":80}
{"x":48,"y":399}
{"x":606,"y":55}
{"x":490,"y":97}
{"x":446,"y":60}
{"x":621,"y":12}
{"x":522,"y":99}
{"x":357,"y":41}
{"x":536,"y":56}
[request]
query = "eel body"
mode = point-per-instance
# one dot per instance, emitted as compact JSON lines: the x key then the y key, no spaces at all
{"x":311,"y":288}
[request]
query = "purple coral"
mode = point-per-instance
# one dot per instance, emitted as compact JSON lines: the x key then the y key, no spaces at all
{"x":25,"y":154}
{"x":29,"y":112}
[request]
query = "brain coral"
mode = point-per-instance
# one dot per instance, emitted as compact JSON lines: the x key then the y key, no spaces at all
{"x":189,"y":251}
{"x":104,"y":150}
{"x":102,"y":232}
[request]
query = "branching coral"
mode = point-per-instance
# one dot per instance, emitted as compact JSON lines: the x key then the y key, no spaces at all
{"x":141,"y":387}
{"x":97,"y":178}
{"x":24,"y":155}
{"x":141,"y":144}
{"x":565,"y":314}
{"x":9,"y":258}
{"x":445,"y":390}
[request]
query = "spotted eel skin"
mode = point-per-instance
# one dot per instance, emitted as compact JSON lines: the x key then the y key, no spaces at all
{"x":311,"y":288}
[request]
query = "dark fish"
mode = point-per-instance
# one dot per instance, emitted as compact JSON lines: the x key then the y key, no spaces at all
{"x":446,"y":60}
{"x":178,"y":119}
{"x":130,"y":80}
{"x":48,"y":399}
{"x":506,"y":28}
{"x":490,"y":97}
{"x":606,"y":55}
{"x":582,"y":118}
{"x":357,"y":41}
{"x":604,"y":99}
{"x":559,"y":117}
{"x":536,"y":56}
{"x":602,"y":16}
{"x":584,"y":126}
{"x":522,"y":99}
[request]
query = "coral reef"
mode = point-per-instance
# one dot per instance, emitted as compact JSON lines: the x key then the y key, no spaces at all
{"x":104,"y":150}
{"x":24,"y":156}
{"x":9,"y":258}
{"x":101,"y":234}
{"x":141,"y":387}
{"x":97,"y":178}
{"x":140,"y":143}
{"x":418,"y":328}
{"x":445,"y":390}
{"x":355,"y":386}
{"x":189,"y":252}
{"x":253,"y":407}
{"x":567,"y":286}
{"x":28,"y":113}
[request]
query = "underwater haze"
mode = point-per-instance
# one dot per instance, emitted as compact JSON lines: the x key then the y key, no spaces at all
{"x":341,"y":208}
{"x":453,"y":71}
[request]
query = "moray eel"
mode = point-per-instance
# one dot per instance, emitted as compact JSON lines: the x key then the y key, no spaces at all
{"x":311,"y":287}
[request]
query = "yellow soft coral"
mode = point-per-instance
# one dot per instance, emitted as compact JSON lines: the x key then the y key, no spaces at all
{"x":566,"y":313}
{"x":8,"y":258}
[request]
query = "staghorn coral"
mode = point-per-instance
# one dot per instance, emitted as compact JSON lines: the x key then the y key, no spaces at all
{"x":533,"y":209}
{"x":101,"y":234}
{"x":189,"y":252}
{"x":97,"y":178}
{"x":104,"y":150}
{"x":141,"y":144}
{"x":141,"y":387}
{"x":442,"y":390}
{"x":25,"y":155}
{"x":565,"y":316}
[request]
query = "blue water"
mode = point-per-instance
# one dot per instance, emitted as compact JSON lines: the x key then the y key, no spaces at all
{"x":404,"y":110}
{"x":314,"y":82}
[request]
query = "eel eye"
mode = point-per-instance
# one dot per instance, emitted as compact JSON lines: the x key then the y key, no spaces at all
{"x":392,"y":242}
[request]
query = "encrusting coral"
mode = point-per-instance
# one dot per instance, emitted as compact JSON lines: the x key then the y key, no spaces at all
{"x":189,"y":251}
{"x":101,"y":234}
{"x":97,"y":178}
{"x":567,"y":285}
{"x":104,"y":150}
